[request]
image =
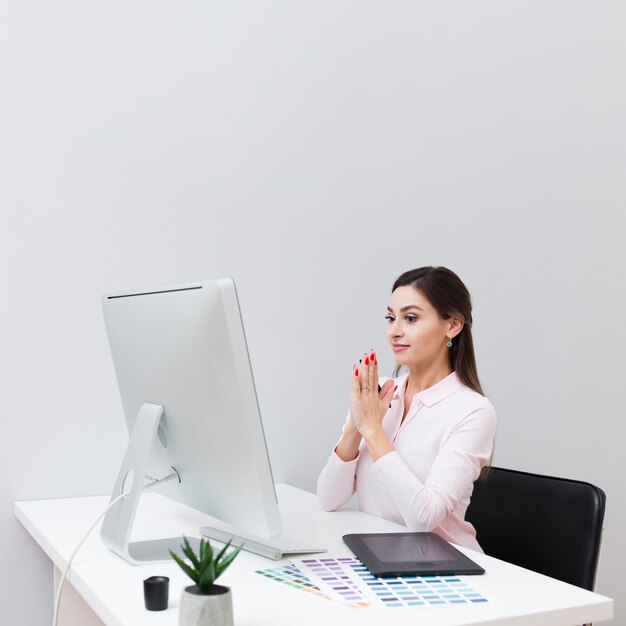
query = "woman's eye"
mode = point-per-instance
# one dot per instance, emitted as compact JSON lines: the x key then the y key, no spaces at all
{"x":390,"y":318}
{"x":411,"y":318}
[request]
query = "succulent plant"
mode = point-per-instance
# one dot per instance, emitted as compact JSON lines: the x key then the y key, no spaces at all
{"x":205,"y":566}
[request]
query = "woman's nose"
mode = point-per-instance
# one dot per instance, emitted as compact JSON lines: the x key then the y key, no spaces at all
{"x":395,"y":329}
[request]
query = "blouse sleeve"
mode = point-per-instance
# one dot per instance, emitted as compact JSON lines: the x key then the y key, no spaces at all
{"x":466,"y":450}
{"x":337,"y":481}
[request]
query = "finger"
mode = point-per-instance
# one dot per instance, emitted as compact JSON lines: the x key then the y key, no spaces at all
{"x":386,"y":393}
{"x":356,"y":383}
{"x":373,"y":371}
{"x":360,"y":369}
{"x":365,"y":373}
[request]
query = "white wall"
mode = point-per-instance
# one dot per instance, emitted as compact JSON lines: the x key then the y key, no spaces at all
{"x":312,"y":150}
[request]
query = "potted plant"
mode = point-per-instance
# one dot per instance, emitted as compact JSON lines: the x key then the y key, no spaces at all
{"x":204,"y":603}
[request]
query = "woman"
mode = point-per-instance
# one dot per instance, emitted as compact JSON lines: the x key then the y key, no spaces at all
{"x":413,"y":450}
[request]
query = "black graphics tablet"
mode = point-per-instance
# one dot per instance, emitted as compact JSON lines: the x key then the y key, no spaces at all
{"x":409,"y":554}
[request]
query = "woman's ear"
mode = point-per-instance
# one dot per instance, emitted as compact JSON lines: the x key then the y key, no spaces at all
{"x":455,"y":326}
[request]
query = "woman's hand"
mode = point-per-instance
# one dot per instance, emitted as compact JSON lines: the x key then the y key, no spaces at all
{"x":367,"y":405}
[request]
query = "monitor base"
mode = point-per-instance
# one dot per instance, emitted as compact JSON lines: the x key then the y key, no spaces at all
{"x":118,"y":522}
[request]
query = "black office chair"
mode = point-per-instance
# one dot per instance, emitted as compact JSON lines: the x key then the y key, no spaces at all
{"x":549,"y":525}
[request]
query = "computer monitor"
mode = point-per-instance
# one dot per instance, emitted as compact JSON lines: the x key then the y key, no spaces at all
{"x":191,"y":409}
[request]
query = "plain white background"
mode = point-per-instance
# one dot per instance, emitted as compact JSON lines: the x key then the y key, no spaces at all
{"x":313,"y":151}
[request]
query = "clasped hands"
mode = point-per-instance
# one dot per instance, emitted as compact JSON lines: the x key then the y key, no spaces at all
{"x":368,"y":405}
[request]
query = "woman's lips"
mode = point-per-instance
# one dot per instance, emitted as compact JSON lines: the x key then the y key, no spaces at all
{"x":399,"y":347}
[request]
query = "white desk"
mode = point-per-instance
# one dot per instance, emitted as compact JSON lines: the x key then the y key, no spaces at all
{"x":113,"y":589}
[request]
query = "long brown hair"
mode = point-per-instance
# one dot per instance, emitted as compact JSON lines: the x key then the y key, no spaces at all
{"x":450,"y":298}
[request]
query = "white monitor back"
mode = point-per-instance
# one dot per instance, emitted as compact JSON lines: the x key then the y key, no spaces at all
{"x":183,"y":347}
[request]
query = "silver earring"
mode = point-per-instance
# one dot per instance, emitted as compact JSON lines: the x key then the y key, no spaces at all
{"x":449,"y":344}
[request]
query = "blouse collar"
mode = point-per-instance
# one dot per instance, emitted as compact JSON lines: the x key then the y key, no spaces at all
{"x":439,"y":391}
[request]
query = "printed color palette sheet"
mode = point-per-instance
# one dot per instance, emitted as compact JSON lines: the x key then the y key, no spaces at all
{"x":291,"y":576}
{"x":348,"y":580}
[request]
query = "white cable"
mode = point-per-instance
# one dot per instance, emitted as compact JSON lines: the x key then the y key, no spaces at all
{"x":57,"y":600}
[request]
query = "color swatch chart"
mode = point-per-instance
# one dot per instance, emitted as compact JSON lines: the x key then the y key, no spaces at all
{"x":347,"y":581}
{"x":291,"y":576}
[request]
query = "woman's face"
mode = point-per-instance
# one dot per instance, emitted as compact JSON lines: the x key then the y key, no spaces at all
{"x":417,"y":334}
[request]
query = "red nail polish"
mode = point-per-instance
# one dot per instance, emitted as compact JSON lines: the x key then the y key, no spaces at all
{"x":395,"y":387}
{"x":356,"y":371}
{"x":367,"y":360}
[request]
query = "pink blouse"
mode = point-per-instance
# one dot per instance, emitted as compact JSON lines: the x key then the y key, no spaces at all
{"x":426,"y":483}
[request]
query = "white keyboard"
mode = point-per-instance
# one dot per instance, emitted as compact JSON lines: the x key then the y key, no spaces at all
{"x":273,"y":548}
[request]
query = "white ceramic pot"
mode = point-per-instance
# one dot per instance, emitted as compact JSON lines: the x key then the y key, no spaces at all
{"x":215,"y":609}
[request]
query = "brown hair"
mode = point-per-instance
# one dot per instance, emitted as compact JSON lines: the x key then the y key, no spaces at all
{"x":450,"y":298}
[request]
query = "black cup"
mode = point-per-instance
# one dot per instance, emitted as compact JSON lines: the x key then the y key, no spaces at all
{"x":156,"y":592}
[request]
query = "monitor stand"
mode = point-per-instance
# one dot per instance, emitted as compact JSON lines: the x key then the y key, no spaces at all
{"x":118,"y":522}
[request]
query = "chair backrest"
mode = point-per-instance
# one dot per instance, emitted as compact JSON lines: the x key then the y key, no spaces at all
{"x":549,"y":525}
